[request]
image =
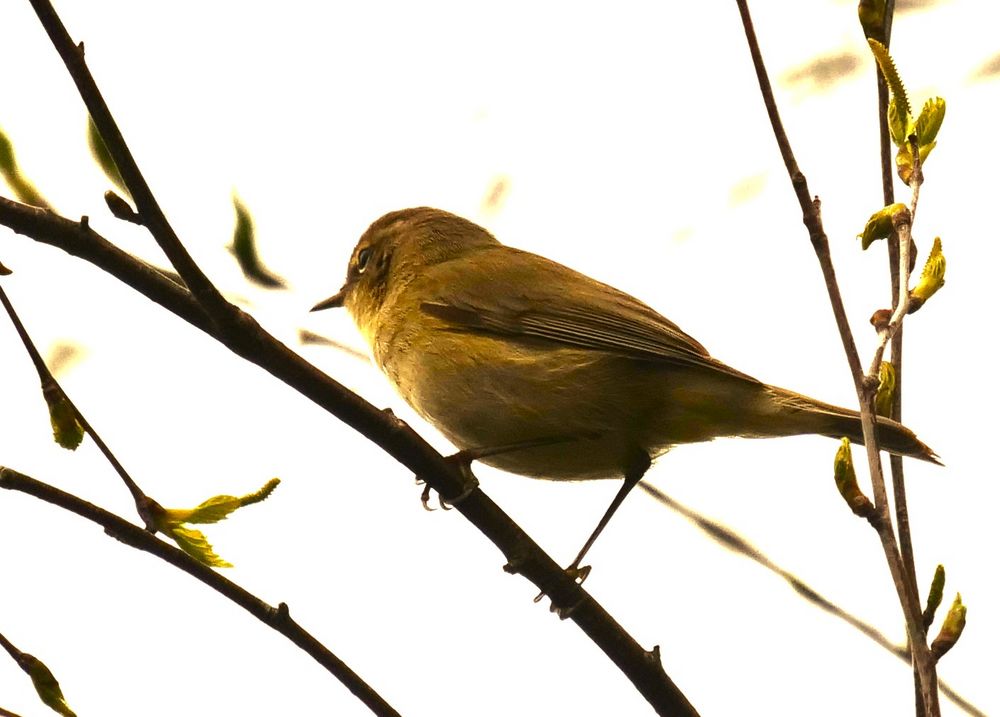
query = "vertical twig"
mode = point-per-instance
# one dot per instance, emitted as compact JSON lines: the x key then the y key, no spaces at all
{"x":864,"y":386}
{"x":896,"y":345}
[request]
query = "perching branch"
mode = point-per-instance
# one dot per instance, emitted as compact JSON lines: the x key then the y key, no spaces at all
{"x":239,"y":332}
{"x":524,"y":556}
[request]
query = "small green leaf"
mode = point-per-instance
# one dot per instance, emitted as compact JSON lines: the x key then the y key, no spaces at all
{"x":951,"y":629}
{"x":217,"y":507}
{"x":892,"y":79}
{"x":45,"y":684}
{"x":194,"y":543}
{"x":899,"y":123}
{"x":929,"y":122}
{"x":210,"y":511}
{"x":925,"y":150}
{"x":99,"y":151}
{"x":886,"y":389}
{"x":904,"y":163}
{"x":244,"y":248}
{"x":66,"y":428}
{"x":8,"y":162}
{"x":931,"y":278}
{"x":171,"y":521}
{"x":879,"y":225}
{"x":10,"y":172}
{"x":847,"y":482}
{"x":934,"y":596}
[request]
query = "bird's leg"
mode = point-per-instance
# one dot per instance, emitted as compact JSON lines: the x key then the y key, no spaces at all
{"x":464,"y":458}
{"x":633,"y":474}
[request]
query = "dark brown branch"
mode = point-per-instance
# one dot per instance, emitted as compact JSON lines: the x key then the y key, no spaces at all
{"x":392,"y":435}
{"x":277,"y":618}
{"x":146,"y":205}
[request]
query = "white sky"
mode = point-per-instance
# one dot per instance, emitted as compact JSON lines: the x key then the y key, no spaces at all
{"x":635,"y":148}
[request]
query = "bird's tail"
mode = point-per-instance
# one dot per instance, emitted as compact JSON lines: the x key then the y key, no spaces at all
{"x":801,"y":414}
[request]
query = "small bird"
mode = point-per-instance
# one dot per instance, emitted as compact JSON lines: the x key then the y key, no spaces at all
{"x":539,"y":370}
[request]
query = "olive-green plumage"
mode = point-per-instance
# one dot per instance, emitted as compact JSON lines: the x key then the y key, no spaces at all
{"x":499,"y":347}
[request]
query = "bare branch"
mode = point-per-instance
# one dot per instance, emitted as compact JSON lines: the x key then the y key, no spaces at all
{"x":277,"y":618}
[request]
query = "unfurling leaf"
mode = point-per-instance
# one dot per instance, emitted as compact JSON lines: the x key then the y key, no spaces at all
{"x":99,"y":151}
{"x":244,"y":248}
{"x":45,"y":684}
{"x":847,"y":482}
{"x":210,"y":511}
{"x":899,"y":123}
{"x":904,"y":163}
{"x":931,"y":278}
{"x":171,"y":522}
{"x":879,"y":225}
{"x":66,"y":427}
{"x":951,"y":629}
{"x":929,"y":122}
{"x":193,"y":543}
{"x":218,"y":507}
{"x":10,"y":172}
{"x":886,"y":389}
{"x":934,"y":596}
{"x":892,"y":79}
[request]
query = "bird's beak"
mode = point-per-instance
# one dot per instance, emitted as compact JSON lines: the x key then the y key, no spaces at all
{"x":334,"y":302}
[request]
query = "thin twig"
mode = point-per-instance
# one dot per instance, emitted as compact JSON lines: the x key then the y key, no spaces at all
{"x":143,"y":503}
{"x":277,"y":618}
{"x":146,"y":205}
{"x":863,"y":386}
{"x":729,"y":539}
{"x":897,"y":477}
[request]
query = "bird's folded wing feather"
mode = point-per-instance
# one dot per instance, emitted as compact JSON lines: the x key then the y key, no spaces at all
{"x":505,"y":294}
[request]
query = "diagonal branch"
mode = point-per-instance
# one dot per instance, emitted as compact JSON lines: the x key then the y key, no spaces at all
{"x":730,"y":540}
{"x":396,"y":438}
{"x":277,"y":618}
{"x":148,"y":208}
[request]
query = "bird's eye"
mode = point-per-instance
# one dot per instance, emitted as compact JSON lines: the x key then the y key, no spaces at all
{"x":363,"y":256}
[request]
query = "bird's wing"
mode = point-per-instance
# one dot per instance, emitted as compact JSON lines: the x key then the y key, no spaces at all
{"x":506,"y":292}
